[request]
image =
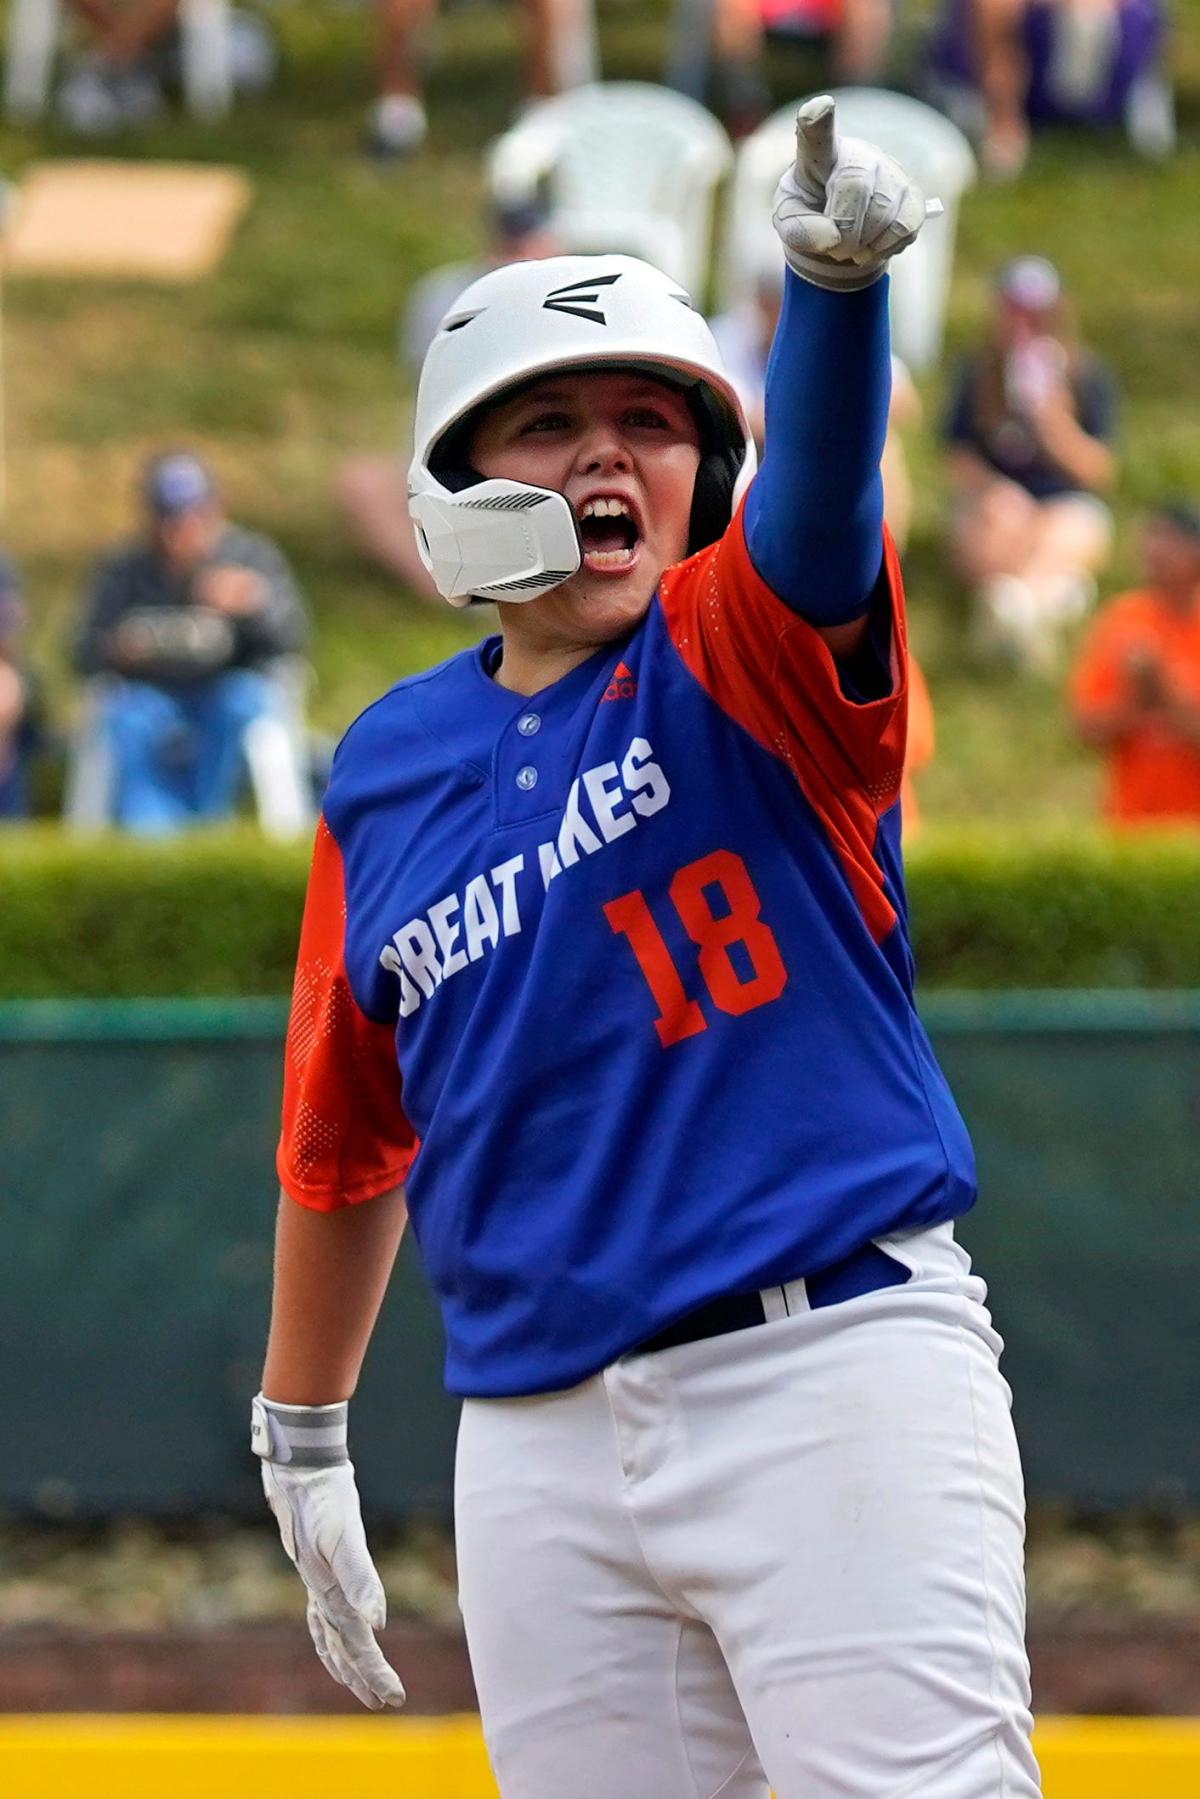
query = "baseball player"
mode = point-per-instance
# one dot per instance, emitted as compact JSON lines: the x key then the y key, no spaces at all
{"x":604,"y":977}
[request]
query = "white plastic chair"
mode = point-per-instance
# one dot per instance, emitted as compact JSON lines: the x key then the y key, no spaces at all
{"x":33,"y":32}
{"x":275,"y":751}
{"x":936,"y":154}
{"x":626,"y":166}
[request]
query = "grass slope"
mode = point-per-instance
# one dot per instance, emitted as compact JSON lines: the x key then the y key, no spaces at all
{"x":284,"y":361}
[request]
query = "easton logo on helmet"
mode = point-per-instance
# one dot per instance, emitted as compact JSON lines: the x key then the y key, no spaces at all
{"x":580,"y":298}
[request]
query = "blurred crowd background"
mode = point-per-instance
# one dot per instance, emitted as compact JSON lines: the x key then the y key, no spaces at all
{"x":208,"y":565}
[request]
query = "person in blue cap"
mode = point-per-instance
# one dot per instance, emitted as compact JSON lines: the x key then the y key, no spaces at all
{"x":184,"y":624}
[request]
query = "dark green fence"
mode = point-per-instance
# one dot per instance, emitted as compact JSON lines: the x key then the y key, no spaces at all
{"x":139,"y":1196}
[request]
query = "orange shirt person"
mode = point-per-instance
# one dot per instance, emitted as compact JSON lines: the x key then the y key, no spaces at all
{"x":1135,"y":691}
{"x":919,"y":747}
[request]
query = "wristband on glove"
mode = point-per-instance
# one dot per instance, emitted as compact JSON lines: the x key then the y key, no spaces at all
{"x":299,"y":1436}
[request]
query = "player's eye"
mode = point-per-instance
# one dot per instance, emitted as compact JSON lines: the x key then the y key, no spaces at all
{"x":544,"y":421}
{"x":647,"y":418}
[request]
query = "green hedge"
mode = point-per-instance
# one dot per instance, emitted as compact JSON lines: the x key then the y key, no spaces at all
{"x":220,"y":915}
{"x":1083,"y":910}
{"x":106,"y":917}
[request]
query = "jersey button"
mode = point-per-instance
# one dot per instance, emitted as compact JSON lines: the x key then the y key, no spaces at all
{"x":526,"y":778}
{"x":528,"y":724}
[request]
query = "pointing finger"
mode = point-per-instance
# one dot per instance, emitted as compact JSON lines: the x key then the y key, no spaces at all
{"x":816,"y":141}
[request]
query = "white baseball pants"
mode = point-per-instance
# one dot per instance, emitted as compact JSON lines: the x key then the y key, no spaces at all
{"x":787,"y":1557}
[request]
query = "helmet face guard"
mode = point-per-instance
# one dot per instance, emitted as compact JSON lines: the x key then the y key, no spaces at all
{"x":500,"y":540}
{"x":508,"y":540}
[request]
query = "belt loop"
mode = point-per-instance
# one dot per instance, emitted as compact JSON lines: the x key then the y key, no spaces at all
{"x":774,"y":1303}
{"x":795,"y":1295}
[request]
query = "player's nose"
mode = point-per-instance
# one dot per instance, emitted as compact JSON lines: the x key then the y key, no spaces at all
{"x":602,"y":450}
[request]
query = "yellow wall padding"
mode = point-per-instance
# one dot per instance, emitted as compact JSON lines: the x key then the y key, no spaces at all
{"x":129,"y":1757}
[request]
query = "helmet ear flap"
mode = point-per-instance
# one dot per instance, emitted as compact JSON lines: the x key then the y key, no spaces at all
{"x":458,"y":477}
{"x":712,"y":497}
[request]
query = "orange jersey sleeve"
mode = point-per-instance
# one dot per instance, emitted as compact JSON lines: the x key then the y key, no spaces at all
{"x":345,"y":1137}
{"x":773,"y":673}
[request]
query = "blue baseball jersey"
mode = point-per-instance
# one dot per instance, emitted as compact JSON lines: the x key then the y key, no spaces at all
{"x":616,"y":979}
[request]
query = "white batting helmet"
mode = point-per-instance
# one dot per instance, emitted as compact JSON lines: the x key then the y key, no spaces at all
{"x":500,"y":539}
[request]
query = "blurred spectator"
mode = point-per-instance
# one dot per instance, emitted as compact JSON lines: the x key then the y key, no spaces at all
{"x":1135,"y":690}
{"x":372,"y":491}
{"x":134,"y":52}
{"x":520,"y":232}
{"x":1028,"y":426}
{"x":560,"y":36}
{"x":1027,"y":62}
{"x":744,"y":335}
{"x":918,"y":751}
{"x":858,"y":33}
{"x":184,"y":625}
{"x":904,"y":411}
{"x":17,"y":703}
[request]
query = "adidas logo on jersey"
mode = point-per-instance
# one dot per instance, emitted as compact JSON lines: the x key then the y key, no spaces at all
{"x":622,"y":686}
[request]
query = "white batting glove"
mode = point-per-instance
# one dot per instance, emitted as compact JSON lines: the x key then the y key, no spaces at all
{"x":309,"y":1483}
{"x":844,"y":208}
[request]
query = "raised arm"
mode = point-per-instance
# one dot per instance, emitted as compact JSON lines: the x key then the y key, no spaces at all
{"x":814,"y":516}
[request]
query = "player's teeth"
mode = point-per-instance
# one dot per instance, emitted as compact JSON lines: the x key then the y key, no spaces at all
{"x":609,"y":558}
{"x":606,"y":508}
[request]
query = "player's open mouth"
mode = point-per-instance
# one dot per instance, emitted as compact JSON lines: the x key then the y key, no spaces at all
{"x":609,"y":533}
